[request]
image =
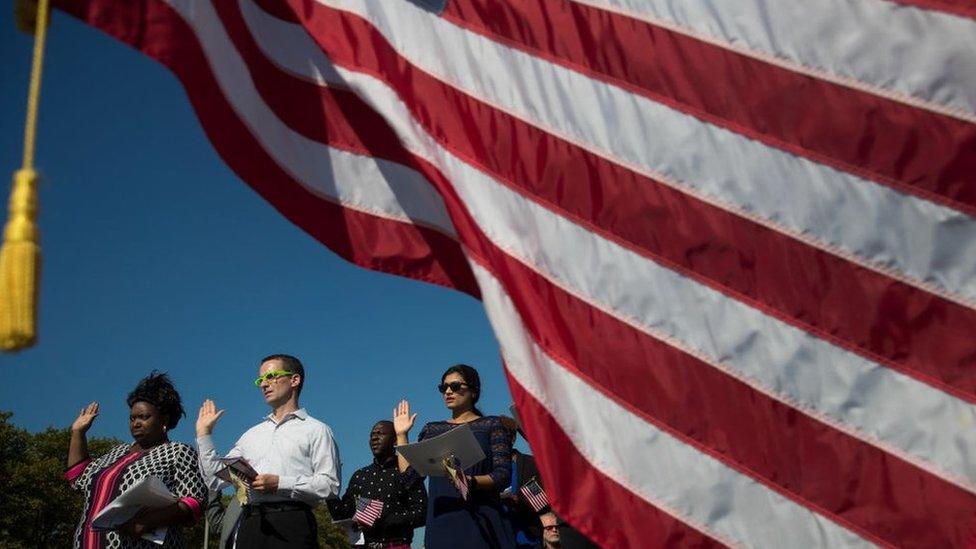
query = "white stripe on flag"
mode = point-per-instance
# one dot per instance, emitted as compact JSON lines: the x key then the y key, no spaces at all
{"x":358,"y":182}
{"x":689,"y":485}
{"x":289,"y":47}
{"x":924,"y":244}
{"x":879,"y":46}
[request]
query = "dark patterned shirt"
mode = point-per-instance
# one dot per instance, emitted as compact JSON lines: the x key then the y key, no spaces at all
{"x":102,"y":479}
{"x":404,"y":501}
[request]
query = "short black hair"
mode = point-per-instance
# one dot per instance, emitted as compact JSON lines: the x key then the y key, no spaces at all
{"x":158,"y":390}
{"x":289,"y":364}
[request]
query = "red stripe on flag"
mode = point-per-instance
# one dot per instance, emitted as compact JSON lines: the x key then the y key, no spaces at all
{"x":964,"y":8}
{"x":623,"y":519}
{"x":909,"y":149}
{"x":279,"y":9}
{"x":330,"y":115}
{"x":365,"y":240}
{"x":923,"y":335}
{"x":793,"y":453}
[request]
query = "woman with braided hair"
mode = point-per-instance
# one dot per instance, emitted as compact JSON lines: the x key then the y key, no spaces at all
{"x":154,"y":409}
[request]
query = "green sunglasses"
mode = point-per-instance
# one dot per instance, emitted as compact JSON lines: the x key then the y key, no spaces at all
{"x":271,"y":375}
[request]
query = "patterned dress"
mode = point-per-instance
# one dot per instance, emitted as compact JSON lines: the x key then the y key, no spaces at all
{"x":102,"y":479}
{"x":478,"y":522}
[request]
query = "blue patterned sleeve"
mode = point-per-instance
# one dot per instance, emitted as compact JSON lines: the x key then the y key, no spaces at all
{"x":501,"y":454}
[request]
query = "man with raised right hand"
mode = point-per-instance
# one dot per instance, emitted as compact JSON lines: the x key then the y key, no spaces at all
{"x":402,"y":502}
{"x":294,"y":454}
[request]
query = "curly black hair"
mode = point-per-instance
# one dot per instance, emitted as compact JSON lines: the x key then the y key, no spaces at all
{"x":158,"y":390}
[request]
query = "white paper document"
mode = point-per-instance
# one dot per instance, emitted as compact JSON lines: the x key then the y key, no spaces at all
{"x":427,"y":456}
{"x":148,"y":492}
{"x":353,"y":532}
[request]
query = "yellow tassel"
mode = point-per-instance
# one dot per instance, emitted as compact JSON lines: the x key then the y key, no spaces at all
{"x":20,"y":265}
{"x":20,"y":257}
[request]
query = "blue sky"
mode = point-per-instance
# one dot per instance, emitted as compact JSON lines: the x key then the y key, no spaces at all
{"x":157,"y":256}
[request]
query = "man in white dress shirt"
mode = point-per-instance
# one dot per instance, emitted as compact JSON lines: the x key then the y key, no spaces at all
{"x":294,"y":454}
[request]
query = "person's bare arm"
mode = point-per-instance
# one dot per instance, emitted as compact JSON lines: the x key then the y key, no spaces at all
{"x":208,"y":456}
{"x":78,"y":447}
{"x":402,"y":423}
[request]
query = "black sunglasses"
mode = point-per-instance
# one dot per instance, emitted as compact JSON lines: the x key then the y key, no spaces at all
{"x":455,"y":386}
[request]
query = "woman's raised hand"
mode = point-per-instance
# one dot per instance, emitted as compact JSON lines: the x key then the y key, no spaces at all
{"x":402,"y":419}
{"x":207,"y":417}
{"x":85,"y":418}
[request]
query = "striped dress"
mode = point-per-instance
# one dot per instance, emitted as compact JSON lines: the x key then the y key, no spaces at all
{"x":102,"y":479}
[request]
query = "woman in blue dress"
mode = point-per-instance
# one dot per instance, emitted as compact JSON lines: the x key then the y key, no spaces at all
{"x":452,"y":521}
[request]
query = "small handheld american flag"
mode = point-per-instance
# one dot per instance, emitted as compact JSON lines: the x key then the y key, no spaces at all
{"x":535,"y":495}
{"x":457,"y":476}
{"x":461,"y":481}
{"x":367,"y":511}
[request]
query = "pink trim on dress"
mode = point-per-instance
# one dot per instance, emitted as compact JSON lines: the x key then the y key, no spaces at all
{"x":75,"y":471}
{"x":194,"y":506}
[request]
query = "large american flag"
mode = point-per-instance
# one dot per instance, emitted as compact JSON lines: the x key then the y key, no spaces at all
{"x":728,"y":247}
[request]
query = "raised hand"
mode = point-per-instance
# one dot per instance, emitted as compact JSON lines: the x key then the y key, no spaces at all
{"x":207,"y":418}
{"x":85,"y":418}
{"x":402,"y":419}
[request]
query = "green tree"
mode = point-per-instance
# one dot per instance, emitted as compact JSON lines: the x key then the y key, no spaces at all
{"x":39,"y":509}
{"x":330,"y":535}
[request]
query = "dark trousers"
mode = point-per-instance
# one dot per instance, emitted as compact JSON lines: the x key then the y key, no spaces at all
{"x":273,"y":526}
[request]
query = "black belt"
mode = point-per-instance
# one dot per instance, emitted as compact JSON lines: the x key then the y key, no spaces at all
{"x":275,"y":507}
{"x":384,"y":544}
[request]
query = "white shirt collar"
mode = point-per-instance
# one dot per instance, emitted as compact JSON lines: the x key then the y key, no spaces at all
{"x":299,"y":413}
